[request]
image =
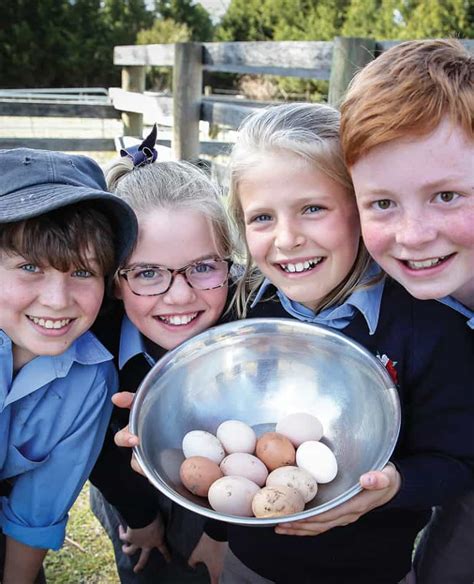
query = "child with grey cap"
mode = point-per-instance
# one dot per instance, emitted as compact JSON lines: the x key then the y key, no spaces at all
{"x":61,"y":235}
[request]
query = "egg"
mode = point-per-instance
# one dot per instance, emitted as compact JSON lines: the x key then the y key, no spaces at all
{"x":245,"y":465}
{"x":318,"y":460}
{"x":300,"y":427}
{"x":197,"y":474}
{"x":275,"y":450}
{"x":296,"y":478}
{"x":236,"y":436}
{"x":233,"y":496}
{"x":277,"y":501}
{"x":201,"y":443}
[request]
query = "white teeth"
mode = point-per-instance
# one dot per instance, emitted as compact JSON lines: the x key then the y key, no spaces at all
{"x":301,"y":266}
{"x":50,"y":324}
{"x":421,"y":264}
{"x":179,"y":319}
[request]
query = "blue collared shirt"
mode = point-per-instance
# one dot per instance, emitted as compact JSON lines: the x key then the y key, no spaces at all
{"x":364,"y":300}
{"x":53,"y":417}
{"x":131,"y":344}
{"x":464,"y":310}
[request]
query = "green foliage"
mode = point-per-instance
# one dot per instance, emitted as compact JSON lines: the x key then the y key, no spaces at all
{"x":279,"y":20}
{"x":87,"y":555}
{"x":61,"y":43}
{"x":162,"y":31}
{"x":187,"y":12}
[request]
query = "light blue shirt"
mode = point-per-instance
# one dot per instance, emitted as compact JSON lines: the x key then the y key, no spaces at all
{"x":131,"y":344}
{"x":53,"y":417}
{"x":464,"y":310}
{"x":364,"y":300}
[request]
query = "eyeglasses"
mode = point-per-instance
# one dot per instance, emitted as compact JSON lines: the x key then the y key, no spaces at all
{"x":155,"y":280}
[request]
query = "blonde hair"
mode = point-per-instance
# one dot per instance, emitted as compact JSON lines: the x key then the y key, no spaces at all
{"x":172,"y":185}
{"x":311,"y":132}
{"x":407,"y":91}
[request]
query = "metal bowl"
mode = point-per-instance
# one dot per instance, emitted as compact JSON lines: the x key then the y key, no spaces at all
{"x":258,"y":371}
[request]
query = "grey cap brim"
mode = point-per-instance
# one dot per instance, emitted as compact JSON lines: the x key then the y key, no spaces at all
{"x":40,"y":199}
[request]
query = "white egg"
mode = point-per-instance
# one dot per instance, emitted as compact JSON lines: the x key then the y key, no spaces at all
{"x":300,"y":427}
{"x":296,"y":478}
{"x":236,"y":436}
{"x":246,"y":465}
{"x":233,"y":496}
{"x":201,"y":443}
{"x":318,"y":460}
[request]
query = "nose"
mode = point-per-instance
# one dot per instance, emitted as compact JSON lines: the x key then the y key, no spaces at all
{"x":55,"y":291}
{"x":413,"y":231}
{"x":180,"y":292}
{"x":287,"y":235}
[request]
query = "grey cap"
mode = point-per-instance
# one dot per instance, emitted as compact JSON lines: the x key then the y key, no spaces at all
{"x":34,"y":182}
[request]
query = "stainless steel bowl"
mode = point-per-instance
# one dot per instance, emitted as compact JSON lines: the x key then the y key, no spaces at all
{"x":257,"y":371}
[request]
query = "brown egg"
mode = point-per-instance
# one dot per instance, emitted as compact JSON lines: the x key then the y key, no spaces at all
{"x":275,"y":450}
{"x":197,"y":474}
{"x":277,"y":502}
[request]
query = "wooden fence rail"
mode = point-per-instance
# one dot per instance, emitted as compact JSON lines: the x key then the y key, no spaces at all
{"x":336,"y":61}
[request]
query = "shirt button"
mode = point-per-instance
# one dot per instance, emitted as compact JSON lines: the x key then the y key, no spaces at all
{"x":1,"y":341}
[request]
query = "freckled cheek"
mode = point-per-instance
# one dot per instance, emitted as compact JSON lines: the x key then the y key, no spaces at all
{"x":375,"y":238}
{"x":461,"y":232}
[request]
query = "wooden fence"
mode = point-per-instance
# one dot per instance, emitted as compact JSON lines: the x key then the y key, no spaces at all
{"x":335,"y":61}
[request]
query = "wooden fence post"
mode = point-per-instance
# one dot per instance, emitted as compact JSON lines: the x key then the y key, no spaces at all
{"x":133,"y":79}
{"x":187,"y":93}
{"x":349,"y":55}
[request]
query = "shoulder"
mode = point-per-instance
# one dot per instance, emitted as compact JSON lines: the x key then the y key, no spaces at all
{"x":428,"y":317}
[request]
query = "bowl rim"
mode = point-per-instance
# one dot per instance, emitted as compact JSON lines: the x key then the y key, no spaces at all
{"x":240,"y":326}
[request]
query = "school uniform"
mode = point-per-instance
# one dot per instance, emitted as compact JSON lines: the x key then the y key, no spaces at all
{"x":444,"y":553}
{"x":53,"y":416}
{"x":122,"y":496}
{"x":432,"y":353}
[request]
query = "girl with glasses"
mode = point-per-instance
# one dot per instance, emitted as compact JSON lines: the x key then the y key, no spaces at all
{"x":172,"y":286}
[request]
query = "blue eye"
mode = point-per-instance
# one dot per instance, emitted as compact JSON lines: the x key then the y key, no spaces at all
{"x":446,"y":197}
{"x":30,"y":268}
{"x":82,"y":274}
{"x":263,"y":218}
{"x":203,"y":268}
{"x":310,"y":209}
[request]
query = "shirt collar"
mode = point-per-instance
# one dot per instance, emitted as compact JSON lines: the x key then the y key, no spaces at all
{"x":131,"y":343}
{"x":364,"y":300}
{"x":43,"y":369}
{"x":456,"y":305}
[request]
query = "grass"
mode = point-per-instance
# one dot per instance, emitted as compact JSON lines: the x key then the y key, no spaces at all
{"x":87,"y":556}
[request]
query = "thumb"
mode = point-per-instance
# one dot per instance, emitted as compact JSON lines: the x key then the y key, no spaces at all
{"x":374,"y":480}
{"x":123,"y":399}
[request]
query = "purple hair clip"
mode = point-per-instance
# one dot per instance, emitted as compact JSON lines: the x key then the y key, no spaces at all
{"x":145,"y":153}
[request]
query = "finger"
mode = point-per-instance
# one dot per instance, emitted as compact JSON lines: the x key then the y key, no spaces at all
{"x":122,"y":533}
{"x":129,"y":549}
{"x":125,"y":438}
{"x":163,"y":548}
{"x":374,"y":480}
{"x":123,"y":399}
{"x":142,"y":560}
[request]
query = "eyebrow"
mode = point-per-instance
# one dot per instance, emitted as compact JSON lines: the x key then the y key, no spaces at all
{"x":444,"y":183}
{"x":157,"y":265}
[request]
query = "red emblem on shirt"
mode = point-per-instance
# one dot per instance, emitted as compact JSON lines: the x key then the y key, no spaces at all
{"x":389,"y":366}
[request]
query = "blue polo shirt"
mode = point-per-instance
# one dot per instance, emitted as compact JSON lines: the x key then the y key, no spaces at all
{"x":131,"y":344}
{"x":458,"y":307}
{"x":53,"y":417}
{"x":364,"y":300}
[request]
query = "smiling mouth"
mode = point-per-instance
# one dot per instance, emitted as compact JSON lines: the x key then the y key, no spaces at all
{"x":300,"y":267}
{"x":425,"y":264}
{"x":178,"y":319}
{"x":49,"y":323}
